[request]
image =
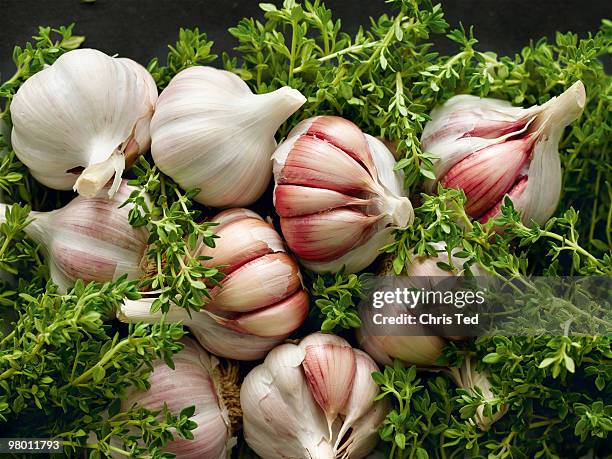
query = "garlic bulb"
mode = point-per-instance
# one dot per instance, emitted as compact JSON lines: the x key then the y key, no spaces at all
{"x":422,"y":273}
{"x":489,"y":148}
{"x":89,"y":239}
{"x":196,"y":381}
{"x":467,"y":377}
{"x":259,"y":302}
{"x":211,"y":132}
{"x":337,"y":194}
{"x":312,"y":400}
{"x":80,"y":121}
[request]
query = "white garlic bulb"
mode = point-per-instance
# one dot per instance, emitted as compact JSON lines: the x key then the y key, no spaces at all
{"x":312,"y":400}
{"x":211,"y":132}
{"x":259,"y":302}
{"x":194,"y":381}
{"x":80,"y":121}
{"x":89,"y":239}
{"x":489,"y":148}
{"x":467,"y":377}
{"x":338,"y":195}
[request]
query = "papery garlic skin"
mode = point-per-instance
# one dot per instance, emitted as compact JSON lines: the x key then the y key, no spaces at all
{"x":211,"y":132}
{"x":192,"y":382}
{"x":89,"y":239}
{"x":489,"y":148}
{"x":258,"y":304}
{"x":337,"y":194}
{"x":87,"y":110}
{"x":467,"y":377}
{"x":304,"y":400}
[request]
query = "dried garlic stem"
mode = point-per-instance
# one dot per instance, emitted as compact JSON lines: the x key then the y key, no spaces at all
{"x":94,"y":177}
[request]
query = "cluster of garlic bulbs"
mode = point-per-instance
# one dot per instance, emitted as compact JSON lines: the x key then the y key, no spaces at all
{"x":79,"y":122}
{"x":488,"y":149}
{"x":337,"y":194}
{"x":194,"y":381}
{"x":211,"y":132}
{"x":89,"y":239}
{"x":314,"y":399}
{"x":259,"y":302}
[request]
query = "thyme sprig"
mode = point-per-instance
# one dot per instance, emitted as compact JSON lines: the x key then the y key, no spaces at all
{"x":177,"y":274}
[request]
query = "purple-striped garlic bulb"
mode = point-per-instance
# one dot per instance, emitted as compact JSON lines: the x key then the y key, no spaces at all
{"x":337,"y":194}
{"x":488,"y":148}
{"x":314,"y":399}
{"x":196,"y":380}
{"x":259,"y":302}
{"x":89,"y":239}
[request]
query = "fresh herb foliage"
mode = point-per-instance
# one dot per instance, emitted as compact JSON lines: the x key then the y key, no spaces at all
{"x":336,"y":297}
{"x":62,"y":367}
{"x":192,"y":48}
{"x":176,"y":271}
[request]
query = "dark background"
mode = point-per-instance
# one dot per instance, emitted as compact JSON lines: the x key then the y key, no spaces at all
{"x":141,"y":29}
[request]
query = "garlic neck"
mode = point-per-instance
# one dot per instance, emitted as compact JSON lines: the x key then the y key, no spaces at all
{"x":95,"y":176}
{"x":399,"y":209}
{"x":277,"y":106}
{"x":560,"y":111}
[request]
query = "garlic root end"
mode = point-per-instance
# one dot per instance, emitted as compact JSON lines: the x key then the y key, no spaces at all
{"x":226,"y":381}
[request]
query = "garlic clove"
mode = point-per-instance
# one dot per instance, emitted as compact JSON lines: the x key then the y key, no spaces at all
{"x":364,"y":433}
{"x":516,"y":194}
{"x":241,"y":241}
{"x":211,"y":132}
{"x":319,"y":164}
{"x":275,"y":398}
{"x":392,"y":180}
{"x":326,"y":236}
{"x":329,"y":365}
{"x":469,"y":114}
{"x":141,"y":140}
{"x":362,"y":393}
{"x":345,"y":135}
{"x":295,"y":200}
{"x":356,"y":259}
{"x":279,"y":319}
{"x":481,"y":178}
{"x":258,"y":283}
